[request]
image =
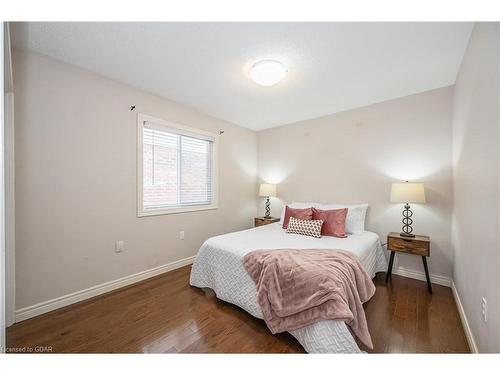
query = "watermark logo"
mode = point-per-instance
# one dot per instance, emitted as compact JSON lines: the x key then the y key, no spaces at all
{"x":29,"y":349}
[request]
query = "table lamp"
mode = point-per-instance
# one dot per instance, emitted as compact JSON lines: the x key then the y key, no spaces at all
{"x":267,"y":190}
{"x":407,"y":192}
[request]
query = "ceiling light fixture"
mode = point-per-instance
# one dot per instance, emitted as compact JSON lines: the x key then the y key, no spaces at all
{"x":267,"y":72}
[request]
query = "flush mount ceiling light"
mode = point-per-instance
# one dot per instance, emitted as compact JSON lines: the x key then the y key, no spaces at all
{"x":267,"y":72}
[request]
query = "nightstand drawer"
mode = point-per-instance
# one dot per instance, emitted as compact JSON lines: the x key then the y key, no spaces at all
{"x":259,"y":221}
{"x":408,"y":245}
{"x":417,"y":245}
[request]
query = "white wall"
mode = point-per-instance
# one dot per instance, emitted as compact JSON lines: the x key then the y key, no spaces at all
{"x":354,"y":156}
{"x":476,"y":184}
{"x":76,"y":181}
{"x":9,"y":186}
{"x":2,"y":223}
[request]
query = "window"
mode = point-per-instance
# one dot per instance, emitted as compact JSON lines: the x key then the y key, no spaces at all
{"x":177,"y":169}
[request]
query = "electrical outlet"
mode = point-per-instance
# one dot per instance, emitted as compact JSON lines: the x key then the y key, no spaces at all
{"x":119,"y":246}
{"x":181,"y":235}
{"x":484,"y":309}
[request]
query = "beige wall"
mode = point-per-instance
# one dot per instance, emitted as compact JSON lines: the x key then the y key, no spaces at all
{"x":476,"y":184}
{"x":352,"y":157}
{"x":76,"y":181}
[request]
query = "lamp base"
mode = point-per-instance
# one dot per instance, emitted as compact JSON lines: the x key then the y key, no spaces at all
{"x":403,"y":234}
{"x":407,"y":222}
{"x":268,"y":208}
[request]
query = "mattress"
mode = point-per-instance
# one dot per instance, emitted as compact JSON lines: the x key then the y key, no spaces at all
{"x":219,"y":266}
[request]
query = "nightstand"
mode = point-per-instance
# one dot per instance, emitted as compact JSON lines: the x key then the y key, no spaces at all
{"x":259,"y":221}
{"x":418,"y":245}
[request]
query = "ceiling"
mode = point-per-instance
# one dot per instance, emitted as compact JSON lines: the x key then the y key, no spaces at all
{"x":332,"y":67}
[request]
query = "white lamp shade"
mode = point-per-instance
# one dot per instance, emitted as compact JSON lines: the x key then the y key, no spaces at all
{"x":407,"y":192}
{"x":267,"y":190}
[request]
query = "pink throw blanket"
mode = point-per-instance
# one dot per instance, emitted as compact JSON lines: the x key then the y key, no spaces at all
{"x":296,"y":288}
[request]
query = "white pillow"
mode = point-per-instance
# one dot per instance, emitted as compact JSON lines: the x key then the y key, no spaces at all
{"x":356,"y":215}
{"x":296,"y":205}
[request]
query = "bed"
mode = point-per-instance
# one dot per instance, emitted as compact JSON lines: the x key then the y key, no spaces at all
{"x":219,"y":266}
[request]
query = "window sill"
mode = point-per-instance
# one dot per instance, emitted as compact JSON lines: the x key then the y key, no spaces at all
{"x":178,"y":210}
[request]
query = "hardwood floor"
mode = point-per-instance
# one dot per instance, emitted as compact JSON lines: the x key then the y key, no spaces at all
{"x":165,"y":315}
{"x":404,"y":318}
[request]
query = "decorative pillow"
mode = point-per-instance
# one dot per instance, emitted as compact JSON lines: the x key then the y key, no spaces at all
{"x":356,"y":215}
{"x":299,"y":213}
{"x":334,"y":221}
{"x":296,"y":205}
{"x":305,"y":227}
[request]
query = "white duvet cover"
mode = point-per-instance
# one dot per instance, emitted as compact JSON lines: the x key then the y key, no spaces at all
{"x":219,"y":266}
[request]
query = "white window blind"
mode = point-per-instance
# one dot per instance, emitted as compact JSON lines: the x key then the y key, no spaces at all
{"x":177,"y":168}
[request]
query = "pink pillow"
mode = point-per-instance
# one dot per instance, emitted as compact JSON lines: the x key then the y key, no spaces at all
{"x":334,"y":221}
{"x":298,"y":213}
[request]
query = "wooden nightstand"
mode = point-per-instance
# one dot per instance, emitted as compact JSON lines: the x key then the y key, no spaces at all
{"x":418,"y":245}
{"x":259,"y":221}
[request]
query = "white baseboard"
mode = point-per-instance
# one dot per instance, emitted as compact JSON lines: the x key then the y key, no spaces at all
{"x":420,"y":275}
{"x":68,"y":299}
{"x":465,"y":322}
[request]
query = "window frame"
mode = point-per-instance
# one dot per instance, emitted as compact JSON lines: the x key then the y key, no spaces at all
{"x":183,"y":130}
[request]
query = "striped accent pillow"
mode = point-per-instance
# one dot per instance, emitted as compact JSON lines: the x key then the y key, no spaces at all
{"x":305,"y":227}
